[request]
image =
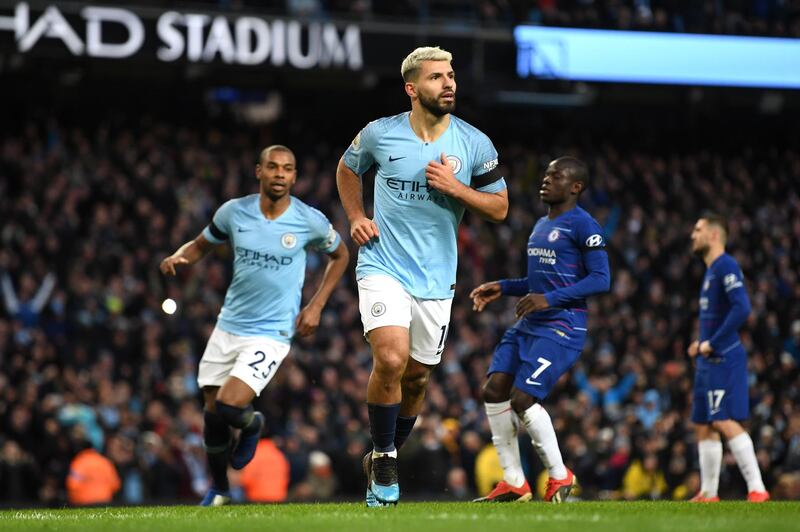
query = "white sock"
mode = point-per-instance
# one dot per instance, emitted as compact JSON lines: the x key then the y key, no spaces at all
{"x":710,"y":453}
{"x":540,"y":428}
{"x":504,"y":437}
{"x":376,"y":454}
{"x":742,"y":449}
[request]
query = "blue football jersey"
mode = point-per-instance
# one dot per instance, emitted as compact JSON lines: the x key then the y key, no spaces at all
{"x":567,"y":262}
{"x":724,"y":307}
{"x":417,"y":224}
{"x":269,"y":264}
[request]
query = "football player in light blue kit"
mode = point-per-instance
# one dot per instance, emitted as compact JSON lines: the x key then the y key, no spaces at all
{"x":269,"y":233}
{"x":721,"y":398}
{"x":430,"y":167}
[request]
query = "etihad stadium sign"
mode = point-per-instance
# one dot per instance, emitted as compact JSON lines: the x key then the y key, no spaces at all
{"x":119,"y":33}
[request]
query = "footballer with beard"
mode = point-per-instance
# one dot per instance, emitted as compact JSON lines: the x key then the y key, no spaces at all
{"x":430,"y":166}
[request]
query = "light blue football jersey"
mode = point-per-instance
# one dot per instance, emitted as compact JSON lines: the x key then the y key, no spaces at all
{"x":269,"y":264}
{"x":417,"y":224}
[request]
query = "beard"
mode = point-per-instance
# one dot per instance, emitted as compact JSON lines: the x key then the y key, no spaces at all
{"x":701,"y":250}
{"x":436,"y":108}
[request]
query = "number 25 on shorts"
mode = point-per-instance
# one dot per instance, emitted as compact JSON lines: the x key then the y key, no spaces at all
{"x":256,"y":370}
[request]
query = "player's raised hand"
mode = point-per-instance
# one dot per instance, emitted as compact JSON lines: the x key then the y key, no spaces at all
{"x":440,"y":176}
{"x":308,"y":320}
{"x":167,"y":266}
{"x":693,"y":349}
{"x":531,"y":303}
{"x":485,"y":294}
{"x":363,"y":230}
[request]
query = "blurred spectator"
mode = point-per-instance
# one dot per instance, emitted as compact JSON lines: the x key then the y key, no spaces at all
{"x":488,"y":471}
{"x":92,"y":479}
{"x":28,"y":304}
{"x":792,"y":344}
{"x":266,"y":478}
{"x":644,"y":479}
{"x":19,"y":476}
{"x":320,"y":484}
{"x":649,"y":411}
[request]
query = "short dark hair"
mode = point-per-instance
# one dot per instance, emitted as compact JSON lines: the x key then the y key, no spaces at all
{"x":275,"y":147}
{"x":579,"y":170}
{"x":714,"y":218}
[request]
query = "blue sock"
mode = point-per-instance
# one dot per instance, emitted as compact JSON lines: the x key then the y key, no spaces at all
{"x":217,"y":437}
{"x":403,"y":430}
{"x":382,"y":424}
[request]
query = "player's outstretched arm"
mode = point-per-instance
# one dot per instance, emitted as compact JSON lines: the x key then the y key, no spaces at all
{"x":362,"y":229}
{"x":189,"y":253}
{"x":492,"y":206}
{"x":485,"y":294}
{"x":308,"y":319}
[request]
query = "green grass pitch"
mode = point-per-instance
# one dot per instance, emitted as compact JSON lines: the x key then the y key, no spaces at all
{"x":421,"y":517}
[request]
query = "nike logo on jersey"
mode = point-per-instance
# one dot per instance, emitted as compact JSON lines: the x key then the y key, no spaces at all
{"x":393,"y":159}
{"x":243,"y":230}
{"x":532,"y":383}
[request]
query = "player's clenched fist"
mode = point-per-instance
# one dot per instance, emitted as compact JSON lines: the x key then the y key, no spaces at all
{"x":440,"y":176}
{"x":363,"y":230}
{"x":168,"y":265}
{"x":485,"y":294}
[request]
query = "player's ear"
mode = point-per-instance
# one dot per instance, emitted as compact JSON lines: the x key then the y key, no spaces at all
{"x":411,"y":89}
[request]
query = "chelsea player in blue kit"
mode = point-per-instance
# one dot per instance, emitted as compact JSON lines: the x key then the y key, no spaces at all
{"x":269,"y":233}
{"x":721,"y":399}
{"x":430,"y":167}
{"x":567,"y":263}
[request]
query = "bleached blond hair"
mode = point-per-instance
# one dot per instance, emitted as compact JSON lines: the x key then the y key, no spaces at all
{"x":413,"y":62}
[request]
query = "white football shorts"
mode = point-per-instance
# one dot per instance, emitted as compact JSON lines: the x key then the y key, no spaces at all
{"x":251,"y":359}
{"x":383,"y":301}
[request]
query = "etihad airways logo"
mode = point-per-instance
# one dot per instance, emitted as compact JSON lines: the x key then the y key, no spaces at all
{"x":546,"y":255}
{"x":261,"y":259}
{"x":407,"y":189}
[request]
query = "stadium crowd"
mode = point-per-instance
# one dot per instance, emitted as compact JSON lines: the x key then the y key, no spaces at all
{"x":778,"y":18}
{"x":93,"y":372}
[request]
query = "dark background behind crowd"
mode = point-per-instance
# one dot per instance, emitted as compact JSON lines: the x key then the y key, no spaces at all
{"x":92,"y":197}
{"x":729,"y":17}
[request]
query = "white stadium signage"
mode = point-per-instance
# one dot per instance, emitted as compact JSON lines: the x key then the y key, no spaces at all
{"x":196,"y":37}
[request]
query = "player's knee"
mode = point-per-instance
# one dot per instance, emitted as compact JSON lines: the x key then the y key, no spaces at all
{"x":235,"y":416}
{"x":724,"y":427}
{"x":415,"y":383}
{"x":492,"y":393}
{"x":389,"y":364}
{"x":210,"y":398}
{"x":521,"y":402}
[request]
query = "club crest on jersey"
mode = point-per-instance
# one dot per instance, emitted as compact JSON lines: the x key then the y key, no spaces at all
{"x":553,"y":236}
{"x":289,"y":240}
{"x":455,"y":163}
{"x":378,"y":309}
